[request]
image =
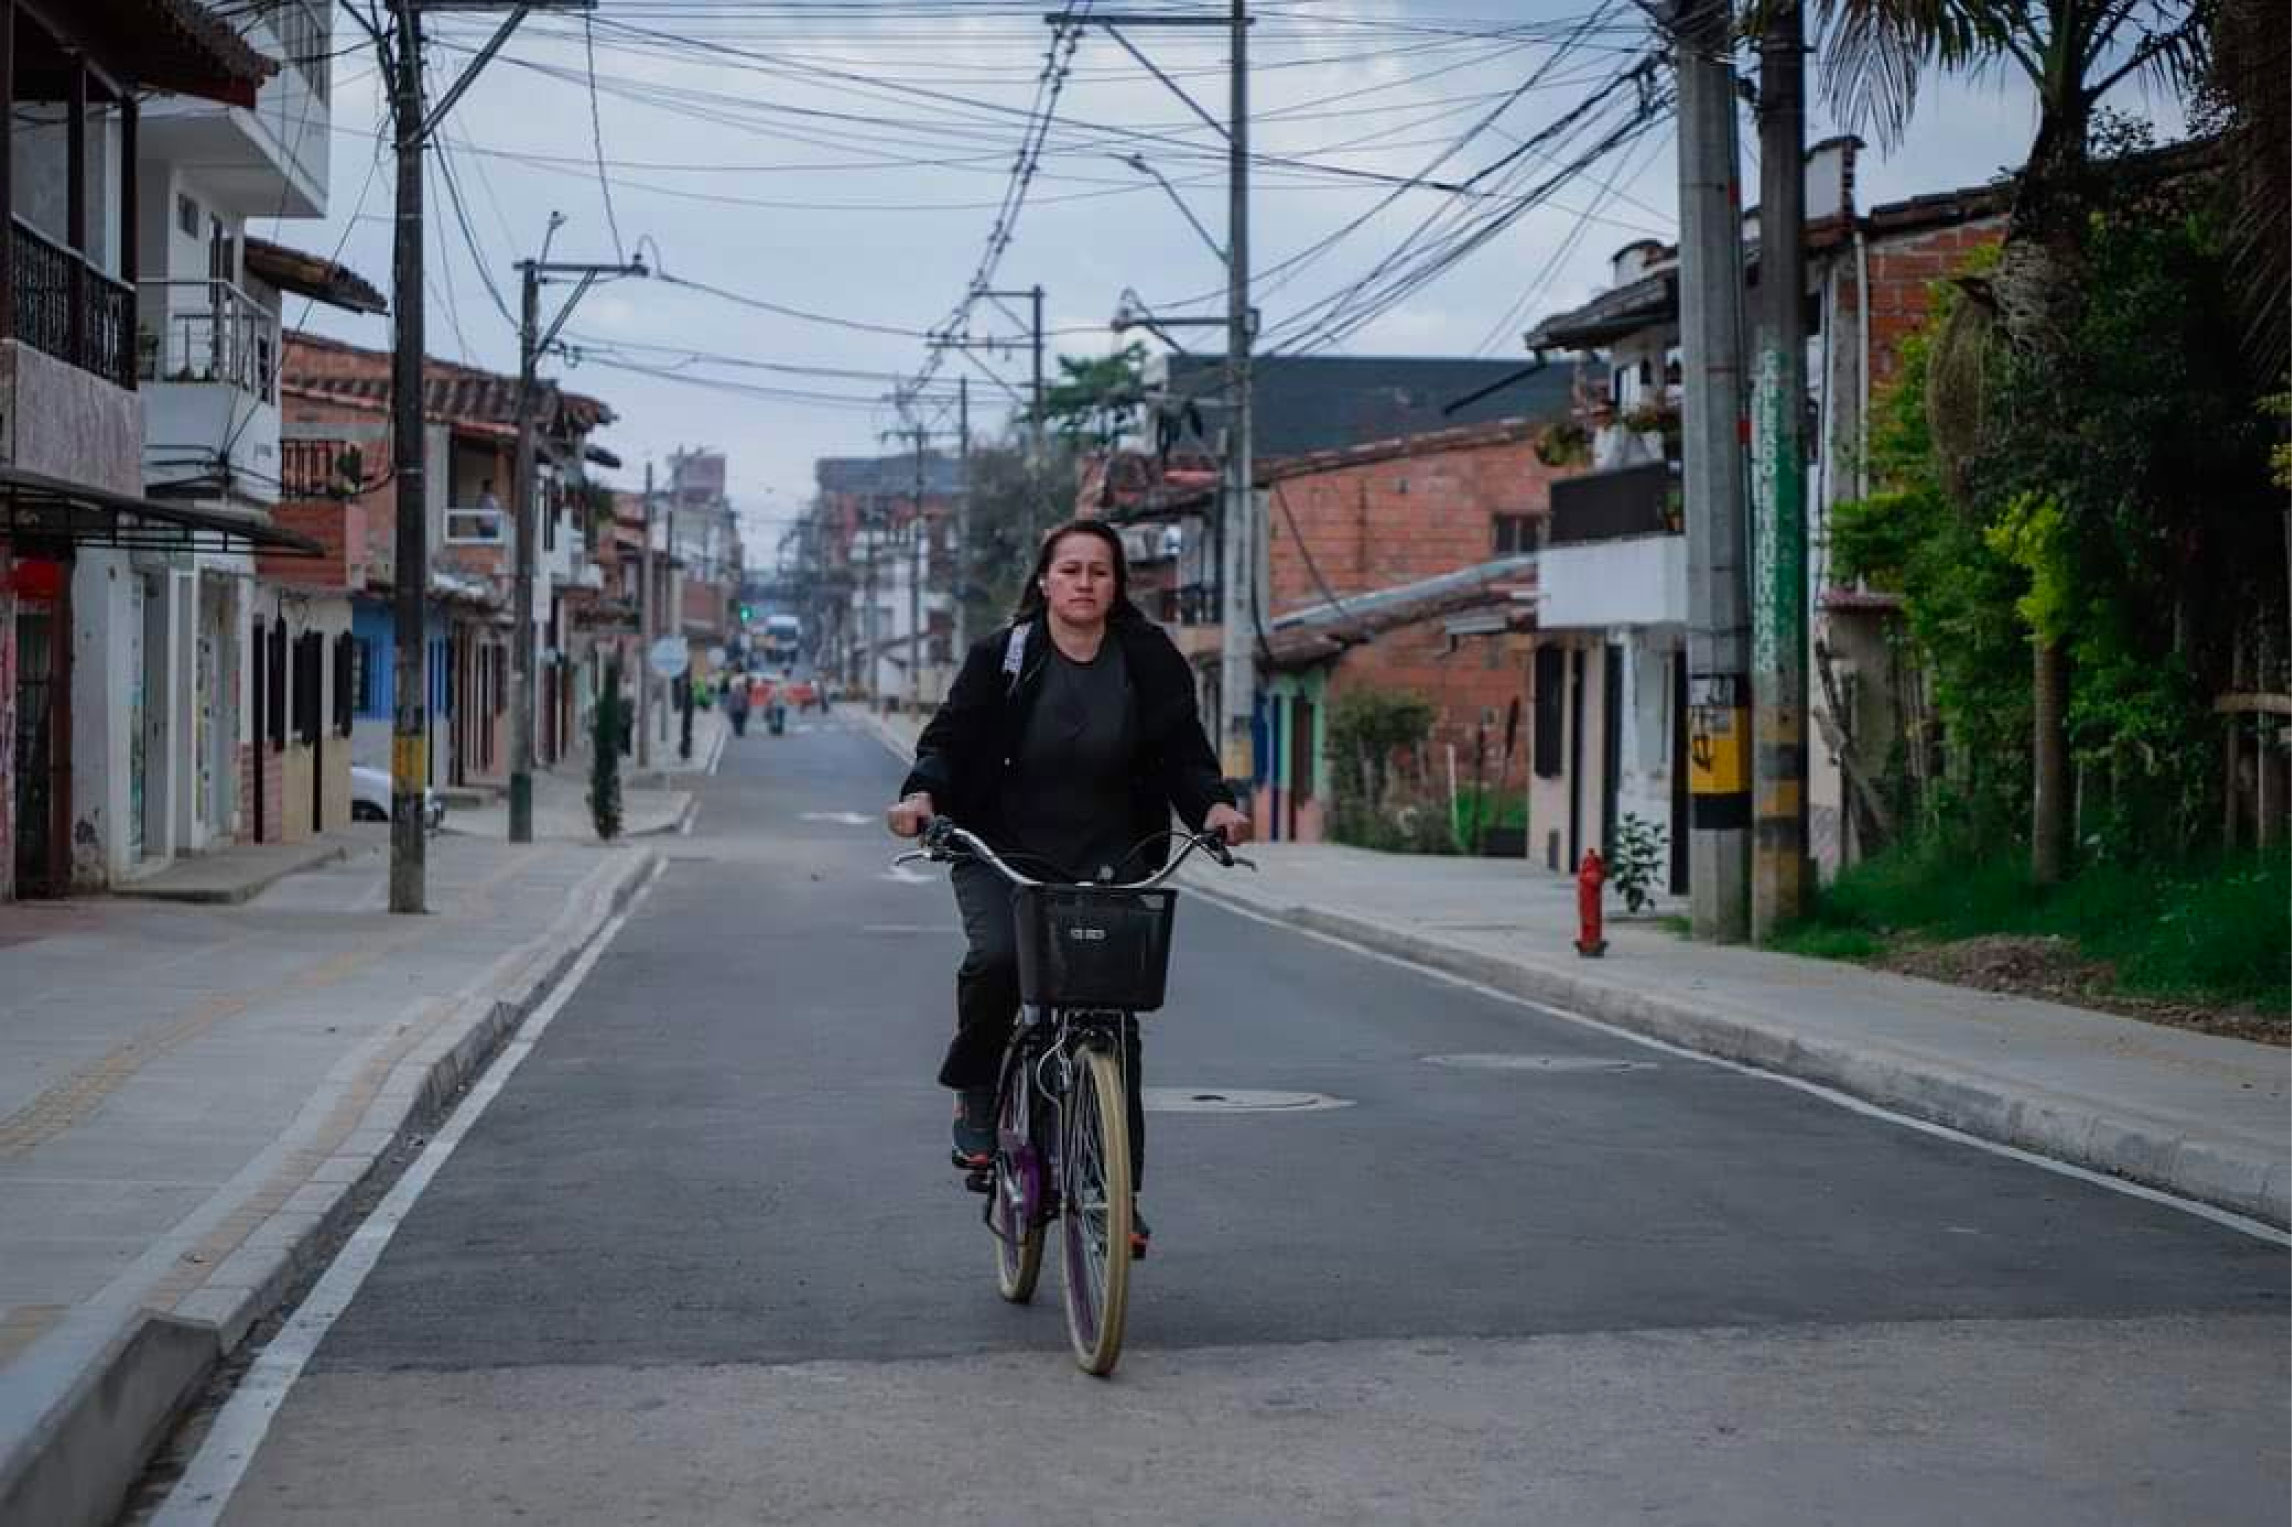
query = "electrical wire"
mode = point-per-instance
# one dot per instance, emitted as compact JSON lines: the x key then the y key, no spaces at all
{"x":597,"y":138}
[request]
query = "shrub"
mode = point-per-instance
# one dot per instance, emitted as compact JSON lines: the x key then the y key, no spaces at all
{"x":606,"y":730}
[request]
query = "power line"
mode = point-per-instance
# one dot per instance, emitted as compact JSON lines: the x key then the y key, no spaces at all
{"x":597,"y":137}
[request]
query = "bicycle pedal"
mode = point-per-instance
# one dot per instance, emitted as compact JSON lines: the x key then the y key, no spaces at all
{"x":981,"y":1180}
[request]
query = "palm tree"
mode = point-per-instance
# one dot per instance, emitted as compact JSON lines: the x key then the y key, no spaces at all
{"x":2073,"y":53}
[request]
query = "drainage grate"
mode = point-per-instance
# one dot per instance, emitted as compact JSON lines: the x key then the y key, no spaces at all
{"x":1574,"y":1063}
{"x":1236,"y":1100}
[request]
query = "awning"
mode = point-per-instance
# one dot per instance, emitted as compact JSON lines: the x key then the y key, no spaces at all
{"x":35,"y":507}
{"x":313,"y":276}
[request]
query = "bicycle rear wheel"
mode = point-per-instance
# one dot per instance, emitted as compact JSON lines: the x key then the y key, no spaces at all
{"x":1094,"y":1182}
{"x":1021,"y":1182}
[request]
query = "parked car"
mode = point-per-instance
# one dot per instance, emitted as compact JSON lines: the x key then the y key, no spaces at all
{"x":370,"y":798}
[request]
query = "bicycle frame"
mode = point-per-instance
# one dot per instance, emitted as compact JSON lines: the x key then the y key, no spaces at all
{"x":1056,"y":1159}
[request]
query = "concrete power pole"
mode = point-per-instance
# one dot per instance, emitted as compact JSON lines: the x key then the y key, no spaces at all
{"x":532,"y":341}
{"x":1779,"y":854}
{"x":410,"y":570}
{"x":1711,"y":339}
{"x":958,"y":627}
{"x":645,"y":633}
{"x":521,"y":592}
{"x":1243,"y":566}
{"x":410,"y":574}
{"x":1041,"y":424}
{"x":918,"y":558}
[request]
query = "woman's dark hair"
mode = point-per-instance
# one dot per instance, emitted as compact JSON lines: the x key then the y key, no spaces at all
{"x":1031,"y":602}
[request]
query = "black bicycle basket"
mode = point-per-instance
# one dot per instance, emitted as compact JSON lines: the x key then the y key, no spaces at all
{"x":1080,"y":947}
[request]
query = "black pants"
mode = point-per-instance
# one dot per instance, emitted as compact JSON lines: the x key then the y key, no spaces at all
{"x":987,"y":1001}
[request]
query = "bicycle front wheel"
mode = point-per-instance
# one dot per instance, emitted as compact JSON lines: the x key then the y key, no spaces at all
{"x":1015,"y":1213}
{"x":1094,"y":1178}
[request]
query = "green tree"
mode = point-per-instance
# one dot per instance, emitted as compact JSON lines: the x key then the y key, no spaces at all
{"x":608,"y":732}
{"x":2072,"y":52}
{"x":1095,"y":400}
{"x":1013,"y":501}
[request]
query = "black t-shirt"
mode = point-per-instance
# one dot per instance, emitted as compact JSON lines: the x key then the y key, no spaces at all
{"x":1066,"y":796}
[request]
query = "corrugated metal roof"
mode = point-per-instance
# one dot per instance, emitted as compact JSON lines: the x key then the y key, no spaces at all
{"x":1309,"y":403}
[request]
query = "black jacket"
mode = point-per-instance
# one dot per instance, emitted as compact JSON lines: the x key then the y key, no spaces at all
{"x":962,"y":755}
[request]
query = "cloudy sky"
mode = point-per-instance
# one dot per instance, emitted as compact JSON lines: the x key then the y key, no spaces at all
{"x":817,"y":183}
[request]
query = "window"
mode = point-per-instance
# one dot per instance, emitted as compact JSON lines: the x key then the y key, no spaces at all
{"x":1550,"y":713}
{"x":353,"y":680}
{"x":188,"y":218}
{"x":1515,"y":533}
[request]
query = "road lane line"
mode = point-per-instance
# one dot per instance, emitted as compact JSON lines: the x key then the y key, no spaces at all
{"x":204,"y":1493}
{"x":2257,"y":1229}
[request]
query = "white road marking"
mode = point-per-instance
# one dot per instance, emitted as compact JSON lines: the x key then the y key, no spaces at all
{"x":201,"y":1496}
{"x":840,"y":818}
{"x":2257,"y":1229}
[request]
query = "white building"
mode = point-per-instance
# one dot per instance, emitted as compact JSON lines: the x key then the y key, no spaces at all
{"x":196,"y":662}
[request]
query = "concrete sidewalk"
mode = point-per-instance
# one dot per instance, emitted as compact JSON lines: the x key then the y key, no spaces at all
{"x":2189,"y":1113}
{"x":561,"y":810}
{"x":190,"y":1096}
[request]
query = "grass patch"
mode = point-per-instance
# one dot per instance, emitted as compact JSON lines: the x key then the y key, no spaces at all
{"x":2218,"y":931}
{"x":1818,"y":942}
{"x":1681,"y":927}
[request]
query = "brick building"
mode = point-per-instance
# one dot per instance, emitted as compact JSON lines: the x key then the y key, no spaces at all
{"x":335,"y":398}
{"x":1404,"y":564}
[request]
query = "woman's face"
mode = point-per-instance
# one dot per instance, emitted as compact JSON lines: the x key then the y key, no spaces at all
{"x":1079,"y":583}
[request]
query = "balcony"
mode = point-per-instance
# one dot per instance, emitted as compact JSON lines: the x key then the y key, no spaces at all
{"x":71,"y":310}
{"x":476,"y":525}
{"x":208,"y":356}
{"x":211,"y":332}
{"x":1618,"y":505}
{"x":270,"y":160}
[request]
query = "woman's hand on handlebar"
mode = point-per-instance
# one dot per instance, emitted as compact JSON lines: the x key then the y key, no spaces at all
{"x":1228,"y":824}
{"x":909,"y":817}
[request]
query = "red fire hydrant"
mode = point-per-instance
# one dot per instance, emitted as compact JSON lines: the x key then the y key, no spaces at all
{"x":1590,"y":942}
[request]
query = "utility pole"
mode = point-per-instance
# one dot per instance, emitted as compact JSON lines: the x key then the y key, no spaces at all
{"x":960,"y":581}
{"x":410,"y":570}
{"x":645,"y":633}
{"x":918,"y":558}
{"x":1243,"y":556}
{"x":1711,"y":341}
{"x":1779,"y":858}
{"x":1237,"y":680}
{"x":532,"y":341}
{"x":1036,"y":295}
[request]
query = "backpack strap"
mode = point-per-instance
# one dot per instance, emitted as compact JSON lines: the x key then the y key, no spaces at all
{"x":1014,"y":657}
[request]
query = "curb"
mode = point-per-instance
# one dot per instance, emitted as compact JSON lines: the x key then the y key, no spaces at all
{"x":235,"y":895}
{"x":2058,"y":1126}
{"x":115,"y":1380}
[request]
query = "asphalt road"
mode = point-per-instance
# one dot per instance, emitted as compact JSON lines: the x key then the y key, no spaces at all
{"x":703,"y":1261}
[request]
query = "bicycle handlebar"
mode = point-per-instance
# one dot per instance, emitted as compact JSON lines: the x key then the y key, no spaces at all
{"x":941,"y":838}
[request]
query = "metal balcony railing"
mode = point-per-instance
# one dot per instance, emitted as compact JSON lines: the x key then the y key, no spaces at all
{"x":209,"y":331}
{"x":473,"y":525}
{"x":70,"y":309}
{"x":1608,"y":506}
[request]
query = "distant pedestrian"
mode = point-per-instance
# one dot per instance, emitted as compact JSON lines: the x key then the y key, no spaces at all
{"x":736,"y":707}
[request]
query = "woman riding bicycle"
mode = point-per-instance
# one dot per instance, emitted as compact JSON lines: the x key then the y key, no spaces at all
{"x":1069,"y":737}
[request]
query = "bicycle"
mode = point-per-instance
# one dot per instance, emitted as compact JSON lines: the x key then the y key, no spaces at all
{"x":1092,"y":957}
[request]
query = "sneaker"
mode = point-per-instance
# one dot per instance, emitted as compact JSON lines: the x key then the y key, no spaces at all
{"x":975,"y":1128}
{"x":1140,"y":1235}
